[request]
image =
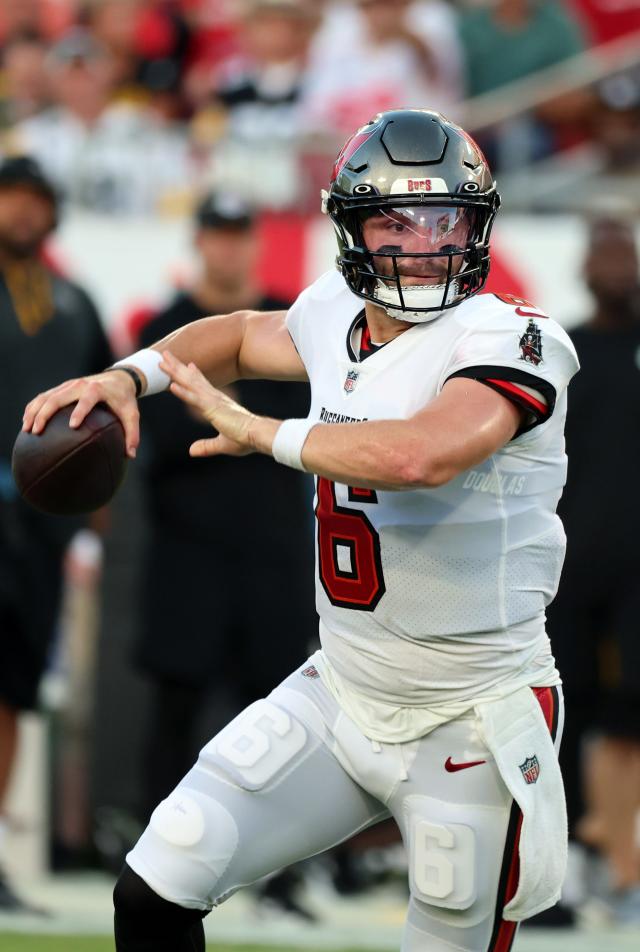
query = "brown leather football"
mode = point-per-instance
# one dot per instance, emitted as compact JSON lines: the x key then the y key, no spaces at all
{"x":67,"y":471}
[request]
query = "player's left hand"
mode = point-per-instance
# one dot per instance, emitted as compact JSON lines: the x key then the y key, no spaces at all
{"x":232,"y":421}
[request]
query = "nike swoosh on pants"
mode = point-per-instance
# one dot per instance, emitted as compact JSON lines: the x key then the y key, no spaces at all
{"x":450,"y":767}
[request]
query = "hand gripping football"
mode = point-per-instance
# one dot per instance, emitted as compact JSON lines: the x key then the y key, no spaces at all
{"x":67,"y":471}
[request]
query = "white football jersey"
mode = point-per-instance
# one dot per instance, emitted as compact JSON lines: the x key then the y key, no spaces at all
{"x":431,"y":598}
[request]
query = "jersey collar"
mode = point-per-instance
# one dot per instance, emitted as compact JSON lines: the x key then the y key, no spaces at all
{"x":357,"y":330}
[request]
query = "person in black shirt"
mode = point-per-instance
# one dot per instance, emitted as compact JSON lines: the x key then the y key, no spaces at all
{"x":223,"y":534}
{"x":49,"y":328}
{"x":594,"y":621}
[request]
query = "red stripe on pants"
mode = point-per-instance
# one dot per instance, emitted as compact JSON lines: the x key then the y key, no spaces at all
{"x":506,"y":932}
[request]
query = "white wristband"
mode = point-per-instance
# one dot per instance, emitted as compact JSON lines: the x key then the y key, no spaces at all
{"x":148,"y":361}
{"x":289,"y":441}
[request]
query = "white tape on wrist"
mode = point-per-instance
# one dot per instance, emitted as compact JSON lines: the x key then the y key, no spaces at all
{"x":148,"y":362}
{"x":289,"y":441}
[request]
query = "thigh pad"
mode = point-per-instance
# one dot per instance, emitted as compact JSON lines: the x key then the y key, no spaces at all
{"x":257,"y":747}
{"x":454,"y":853}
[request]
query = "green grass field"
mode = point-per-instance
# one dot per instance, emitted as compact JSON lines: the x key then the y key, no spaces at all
{"x":13,"y":942}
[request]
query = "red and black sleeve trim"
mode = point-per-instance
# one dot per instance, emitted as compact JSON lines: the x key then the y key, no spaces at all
{"x":508,"y":381}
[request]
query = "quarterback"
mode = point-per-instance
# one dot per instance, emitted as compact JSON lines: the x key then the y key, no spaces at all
{"x":436,"y":438}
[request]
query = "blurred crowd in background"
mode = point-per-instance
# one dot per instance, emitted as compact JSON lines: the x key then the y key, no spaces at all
{"x":192,"y":595}
{"x":137,"y":105}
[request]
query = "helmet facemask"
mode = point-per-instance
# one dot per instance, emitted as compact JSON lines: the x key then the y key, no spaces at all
{"x":414,"y":258}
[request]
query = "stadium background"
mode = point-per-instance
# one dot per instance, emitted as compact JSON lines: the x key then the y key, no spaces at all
{"x":564,"y":138}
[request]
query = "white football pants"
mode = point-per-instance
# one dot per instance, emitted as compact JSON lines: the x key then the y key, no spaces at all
{"x":293,"y":776}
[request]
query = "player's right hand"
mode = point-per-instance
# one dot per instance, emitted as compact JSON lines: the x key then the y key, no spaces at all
{"x":117,"y":390}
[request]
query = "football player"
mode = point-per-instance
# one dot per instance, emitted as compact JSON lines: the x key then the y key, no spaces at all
{"x":436,"y":437}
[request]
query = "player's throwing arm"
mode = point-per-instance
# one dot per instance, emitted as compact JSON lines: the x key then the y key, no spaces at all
{"x":463,"y":426}
{"x":226,"y":347}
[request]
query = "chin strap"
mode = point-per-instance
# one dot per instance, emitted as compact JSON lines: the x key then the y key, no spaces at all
{"x":393,"y":309}
{"x":412,"y":317}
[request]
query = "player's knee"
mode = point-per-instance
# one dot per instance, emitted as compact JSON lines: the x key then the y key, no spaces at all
{"x":190,"y":842}
{"x":131,"y":895}
{"x":190,"y":823}
{"x":134,"y":900}
{"x":180,"y":820}
{"x":145,"y":921}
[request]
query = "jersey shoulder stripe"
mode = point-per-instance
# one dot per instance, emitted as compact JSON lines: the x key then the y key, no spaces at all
{"x":501,"y":340}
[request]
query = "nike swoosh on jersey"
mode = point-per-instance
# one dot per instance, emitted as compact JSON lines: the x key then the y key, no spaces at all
{"x":450,"y":767}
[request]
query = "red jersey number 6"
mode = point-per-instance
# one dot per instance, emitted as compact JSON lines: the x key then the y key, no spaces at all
{"x":349,"y":561}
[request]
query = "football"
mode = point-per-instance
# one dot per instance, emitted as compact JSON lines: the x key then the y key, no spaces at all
{"x":66,"y":471}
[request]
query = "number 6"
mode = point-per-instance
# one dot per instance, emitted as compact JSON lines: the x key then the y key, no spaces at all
{"x":443,"y":864}
{"x":257,"y":745}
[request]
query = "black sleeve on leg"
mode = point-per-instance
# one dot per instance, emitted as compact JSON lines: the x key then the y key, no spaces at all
{"x":145,"y":922}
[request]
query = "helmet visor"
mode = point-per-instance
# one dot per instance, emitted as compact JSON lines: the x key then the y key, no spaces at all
{"x":417,"y":229}
{"x":417,"y":244}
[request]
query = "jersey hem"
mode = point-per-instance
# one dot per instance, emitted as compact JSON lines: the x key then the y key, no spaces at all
{"x":342,"y":694}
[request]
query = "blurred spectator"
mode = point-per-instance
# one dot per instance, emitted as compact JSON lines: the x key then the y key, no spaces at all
{"x":213,"y":40}
{"x":148,"y":41}
{"x":104,"y":155}
{"x":260,"y":92}
{"x":24,"y":85}
{"x":507,"y":40}
{"x":593,"y":622}
{"x":113,"y":25}
{"x":223,"y":534}
{"x":48,"y":329}
{"x":255,"y":113}
{"x":615,"y":121}
{"x":45,"y":18}
{"x":372,"y":55}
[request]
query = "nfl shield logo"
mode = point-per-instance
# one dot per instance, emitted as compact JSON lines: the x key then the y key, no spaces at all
{"x":530,"y":769}
{"x":310,"y":672}
{"x":351,"y":381}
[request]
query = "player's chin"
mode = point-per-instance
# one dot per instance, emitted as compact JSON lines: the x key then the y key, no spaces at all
{"x":429,"y":280}
{"x":417,"y":280}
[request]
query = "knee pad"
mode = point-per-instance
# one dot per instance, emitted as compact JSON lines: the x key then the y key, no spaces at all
{"x":185,"y":850}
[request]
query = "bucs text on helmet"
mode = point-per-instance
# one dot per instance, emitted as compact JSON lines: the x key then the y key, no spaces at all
{"x":413,"y":202}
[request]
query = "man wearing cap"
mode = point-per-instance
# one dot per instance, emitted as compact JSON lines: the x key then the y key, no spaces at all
{"x":219,"y":535}
{"x":48,"y":327}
